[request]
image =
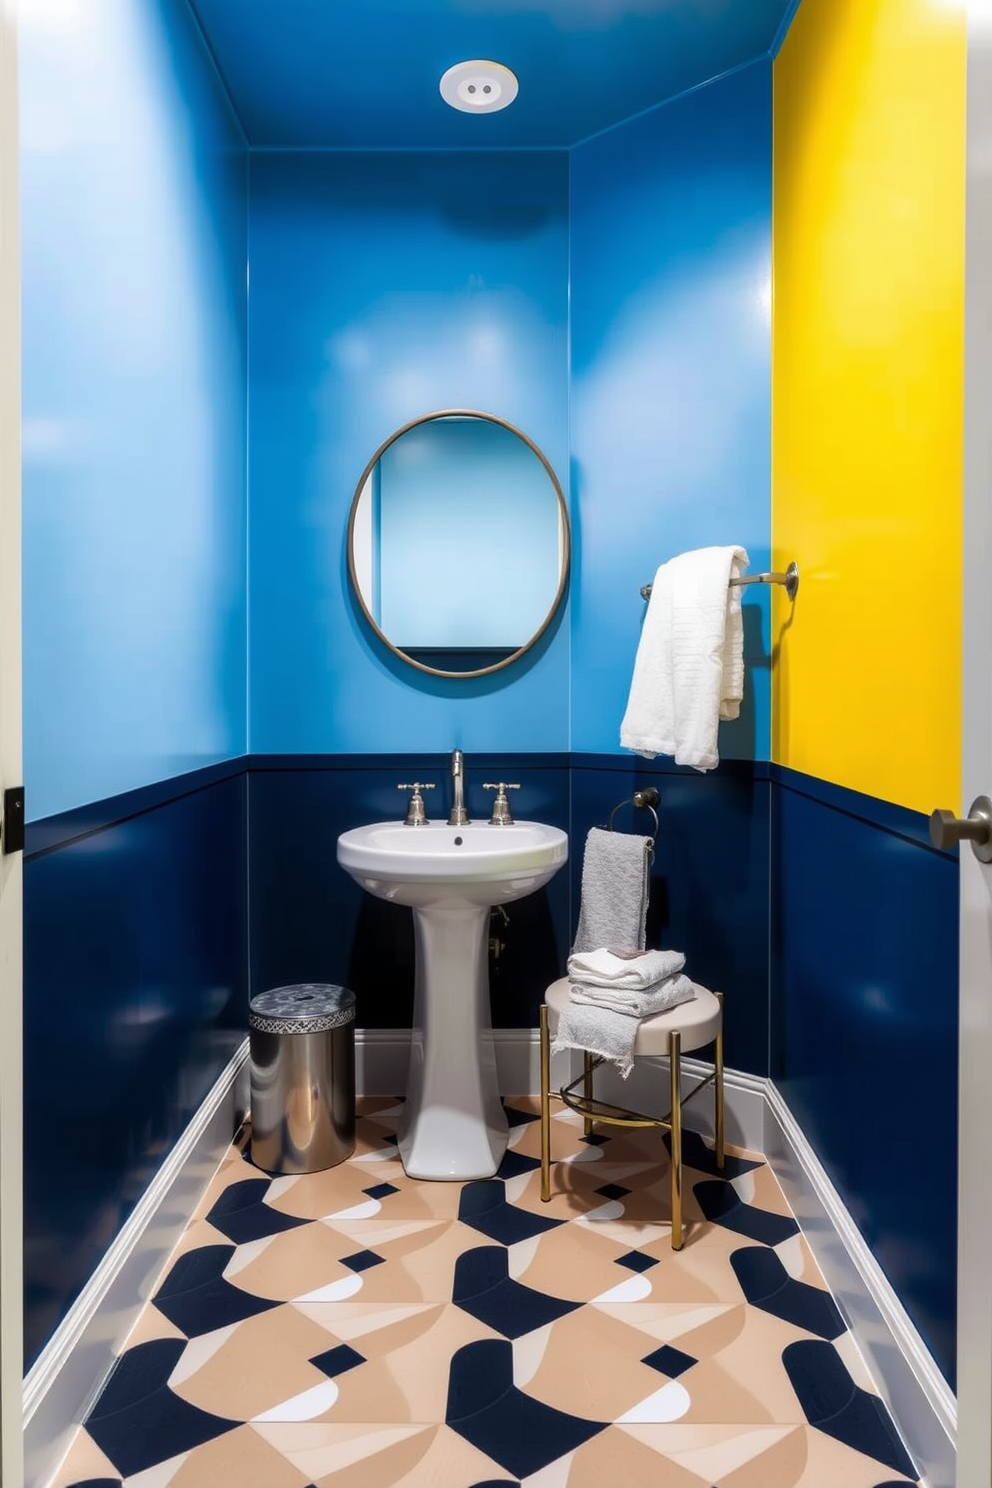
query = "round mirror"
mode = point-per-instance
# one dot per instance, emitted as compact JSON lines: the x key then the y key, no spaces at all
{"x":458,"y":543}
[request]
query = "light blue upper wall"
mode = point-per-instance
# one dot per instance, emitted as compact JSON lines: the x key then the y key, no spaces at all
{"x":670,"y":300}
{"x":134,"y":216}
{"x":383,"y":287}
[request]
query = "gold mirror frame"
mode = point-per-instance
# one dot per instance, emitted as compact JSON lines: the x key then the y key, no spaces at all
{"x":566,"y":554}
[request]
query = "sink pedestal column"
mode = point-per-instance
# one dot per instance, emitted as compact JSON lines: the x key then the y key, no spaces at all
{"x":454,"y":1125}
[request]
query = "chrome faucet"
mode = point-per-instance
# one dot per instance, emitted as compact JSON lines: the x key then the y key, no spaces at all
{"x":459,"y":816}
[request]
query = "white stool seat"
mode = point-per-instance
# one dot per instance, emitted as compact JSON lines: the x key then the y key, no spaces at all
{"x":697,"y":1021}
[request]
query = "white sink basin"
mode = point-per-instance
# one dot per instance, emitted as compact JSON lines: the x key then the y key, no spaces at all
{"x":453,"y":1125}
{"x":476,"y":864}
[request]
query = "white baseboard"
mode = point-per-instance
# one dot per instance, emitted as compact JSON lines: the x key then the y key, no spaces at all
{"x":920,"y":1400}
{"x":69,"y":1374}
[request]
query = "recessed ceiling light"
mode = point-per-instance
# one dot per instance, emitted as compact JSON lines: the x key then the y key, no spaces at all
{"x":478,"y":87}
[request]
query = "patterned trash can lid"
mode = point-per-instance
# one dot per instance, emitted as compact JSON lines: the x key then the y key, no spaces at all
{"x":307,"y":1007}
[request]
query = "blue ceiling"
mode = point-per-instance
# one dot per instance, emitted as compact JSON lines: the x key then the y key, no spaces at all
{"x":363,"y":74}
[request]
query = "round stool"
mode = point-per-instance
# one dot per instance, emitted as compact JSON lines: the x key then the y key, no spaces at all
{"x":302,"y":1077}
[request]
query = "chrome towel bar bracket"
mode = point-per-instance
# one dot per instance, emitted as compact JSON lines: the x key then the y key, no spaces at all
{"x":789,"y":581}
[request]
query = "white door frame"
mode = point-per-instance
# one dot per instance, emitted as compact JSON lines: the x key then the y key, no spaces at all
{"x":11,"y":922}
{"x":975,"y":1101}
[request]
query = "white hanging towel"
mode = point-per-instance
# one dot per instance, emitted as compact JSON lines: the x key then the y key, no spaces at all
{"x":689,"y":668}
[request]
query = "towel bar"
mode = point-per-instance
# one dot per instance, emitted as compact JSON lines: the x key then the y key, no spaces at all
{"x":789,"y":581}
{"x":647,"y":799}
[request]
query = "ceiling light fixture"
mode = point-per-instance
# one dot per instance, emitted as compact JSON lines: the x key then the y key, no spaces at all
{"x":479,"y":87}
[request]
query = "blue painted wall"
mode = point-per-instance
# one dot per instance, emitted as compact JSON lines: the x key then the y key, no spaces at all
{"x":383,"y":287}
{"x":135,"y":980}
{"x":134,"y":202}
{"x":670,"y":443}
{"x":865,"y":1025}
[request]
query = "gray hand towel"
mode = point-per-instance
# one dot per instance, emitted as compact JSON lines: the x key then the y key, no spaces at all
{"x":614,"y":904}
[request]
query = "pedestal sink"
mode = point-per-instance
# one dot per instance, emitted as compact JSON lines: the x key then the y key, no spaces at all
{"x":453,"y":1126}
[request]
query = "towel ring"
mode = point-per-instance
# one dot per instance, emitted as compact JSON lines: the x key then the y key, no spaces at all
{"x":646,"y":799}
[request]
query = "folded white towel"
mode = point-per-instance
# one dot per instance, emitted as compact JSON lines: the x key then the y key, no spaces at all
{"x":634,"y":970}
{"x":689,"y":668}
{"x":600,"y":1030}
{"x":642,"y":1003}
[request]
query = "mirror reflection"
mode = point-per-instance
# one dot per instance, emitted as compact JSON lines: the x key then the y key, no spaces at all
{"x":458,"y":543}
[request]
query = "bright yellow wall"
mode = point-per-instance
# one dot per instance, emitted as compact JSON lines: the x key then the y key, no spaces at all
{"x":868,"y":374}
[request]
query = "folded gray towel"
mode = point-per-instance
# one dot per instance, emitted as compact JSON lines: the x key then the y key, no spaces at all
{"x":600,"y":1030}
{"x":614,"y":905}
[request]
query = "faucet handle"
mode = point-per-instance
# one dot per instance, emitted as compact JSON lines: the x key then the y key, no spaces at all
{"x":501,"y":816}
{"x":416,"y":816}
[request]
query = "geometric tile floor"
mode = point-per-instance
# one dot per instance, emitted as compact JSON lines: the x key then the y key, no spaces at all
{"x":359,"y":1329}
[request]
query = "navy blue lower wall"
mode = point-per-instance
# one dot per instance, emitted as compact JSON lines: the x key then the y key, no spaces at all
{"x":311,"y":922}
{"x":135,"y":986}
{"x":865,"y":1026}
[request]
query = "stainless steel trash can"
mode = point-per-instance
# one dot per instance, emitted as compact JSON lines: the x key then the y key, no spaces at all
{"x":302,"y":1077}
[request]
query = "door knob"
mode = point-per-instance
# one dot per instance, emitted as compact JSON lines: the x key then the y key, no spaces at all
{"x":947,"y":830}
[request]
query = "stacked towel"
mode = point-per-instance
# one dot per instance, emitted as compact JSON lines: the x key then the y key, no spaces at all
{"x":615,"y":880}
{"x":610,"y":992}
{"x":689,"y":668}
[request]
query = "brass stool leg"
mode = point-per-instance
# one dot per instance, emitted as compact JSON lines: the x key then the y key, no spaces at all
{"x":545,"y":1106}
{"x":718,"y":1090}
{"x":675,"y":1054}
{"x":587,"y":1126}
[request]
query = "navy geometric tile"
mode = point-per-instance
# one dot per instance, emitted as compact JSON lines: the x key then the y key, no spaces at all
{"x":596,"y":1140}
{"x":722,"y":1204}
{"x":484,"y":1289}
{"x":138,"y":1421}
{"x":634,"y":1260}
{"x":696,"y":1154}
{"x":766,"y":1284}
{"x":613,"y":1191}
{"x":498,"y":1483}
{"x":483,"y":1206}
{"x":513,"y":1164}
{"x":670,"y":1361}
{"x":197,"y":1298}
{"x":362,"y":1260}
{"x":98,"y":1483}
{"x":337,"y":1360}
{"x":832,"y":1402}
{"x":485,"y":1407}
{"x":381,"y":1190}
{"x":240,"y":1214}
{"x":518,"y":1118}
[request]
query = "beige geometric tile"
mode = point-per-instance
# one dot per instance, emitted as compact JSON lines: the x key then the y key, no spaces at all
{"x":617,"y":1458}
{"x":761,"y":1188}
{"x":797,"y":1258}
{"x":719,"y":1453}
{"x":331,"y":1453}
{"x":239,"y":1459}
{"x":340,"y":1191}
{"x":258,"y":1364}
{"x":305,"y":1264}
{"x":151,"y":1324}
{"x":83,"y":1460}
{"x":580,"y":1263}
{"x":829,"y":1462}
{"x":411,"y":1382}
